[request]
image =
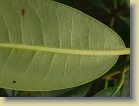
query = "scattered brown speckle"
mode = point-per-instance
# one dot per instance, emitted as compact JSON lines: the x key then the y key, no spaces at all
{"x":22,"y":12}
{"x":14,"y":81}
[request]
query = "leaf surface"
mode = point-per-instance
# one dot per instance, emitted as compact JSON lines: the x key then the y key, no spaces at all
{"x":46,"y":46}
{"x":79,"y":91}
{"x":106,"y":92}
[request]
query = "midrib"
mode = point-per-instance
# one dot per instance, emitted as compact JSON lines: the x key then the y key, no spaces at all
{"x":68,"y":51}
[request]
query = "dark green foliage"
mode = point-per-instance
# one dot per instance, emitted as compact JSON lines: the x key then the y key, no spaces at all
{"x":106,"y":92}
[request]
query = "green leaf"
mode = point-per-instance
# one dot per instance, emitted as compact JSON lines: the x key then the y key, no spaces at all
{"x":106,"y":92}
{"x":54,"y":93}
{"x":100,"y":4}
{"x":125,"y":19}
{"x":3,"y":93}
{"x":125,"y":90}
{"x":47,"y":46}
{"x":79,"y":91}
{"x":127,"y":2}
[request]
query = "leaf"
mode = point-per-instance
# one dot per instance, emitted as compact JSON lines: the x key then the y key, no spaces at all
{"x":3,"y":93}
{"x":11,"y":93}
{"x":100,"y":4}
{"x":127,"y":2}
{"x":106,"y":92}
{"x":125,"y":91}
{"x":79,"y":91}
{"x":54,"y":93}
{"x":125,"y":19}
{"x":47,"y":46}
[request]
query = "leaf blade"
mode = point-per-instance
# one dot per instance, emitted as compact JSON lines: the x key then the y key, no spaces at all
{"x":53,"y":25}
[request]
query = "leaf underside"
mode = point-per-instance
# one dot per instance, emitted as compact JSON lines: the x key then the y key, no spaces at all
{"x":43,"y":23}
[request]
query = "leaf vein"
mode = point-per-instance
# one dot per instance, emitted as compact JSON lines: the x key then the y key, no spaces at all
{"x":6,"y":62}
{"x":28,"y":67}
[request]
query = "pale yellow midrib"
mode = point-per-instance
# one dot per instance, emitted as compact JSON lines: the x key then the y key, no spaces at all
{"x":68,"y":51}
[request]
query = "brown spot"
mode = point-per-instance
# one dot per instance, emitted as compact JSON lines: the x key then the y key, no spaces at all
{"x":23,"y":12}
{"x":14,"y":81}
